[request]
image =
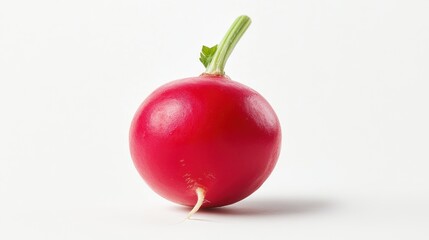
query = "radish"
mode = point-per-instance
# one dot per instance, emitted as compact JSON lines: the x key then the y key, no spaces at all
{"x":206,"y":141}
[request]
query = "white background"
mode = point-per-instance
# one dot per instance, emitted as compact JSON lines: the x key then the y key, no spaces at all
{"x":349,"y":81}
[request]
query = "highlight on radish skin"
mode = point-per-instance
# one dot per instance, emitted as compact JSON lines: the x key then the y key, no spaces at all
{"x":207,"y":137}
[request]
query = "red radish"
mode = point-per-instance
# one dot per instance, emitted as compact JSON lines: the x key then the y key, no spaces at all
{"x":206,"y":141}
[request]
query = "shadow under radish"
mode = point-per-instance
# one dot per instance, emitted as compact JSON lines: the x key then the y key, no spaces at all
{"x":271,"y":207}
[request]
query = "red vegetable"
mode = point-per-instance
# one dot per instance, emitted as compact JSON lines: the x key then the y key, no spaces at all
{"x":206,"y":141}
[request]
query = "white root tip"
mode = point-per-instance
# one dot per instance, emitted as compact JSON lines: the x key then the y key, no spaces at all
{"x":200,"y":194}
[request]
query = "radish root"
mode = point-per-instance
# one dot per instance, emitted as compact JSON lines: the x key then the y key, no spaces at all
{"x":201,"y":195}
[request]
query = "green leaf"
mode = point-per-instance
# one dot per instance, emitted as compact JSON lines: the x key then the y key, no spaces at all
{"x":206,"y":54}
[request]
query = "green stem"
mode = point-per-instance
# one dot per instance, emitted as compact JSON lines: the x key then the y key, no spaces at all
{"x":226,"y":46}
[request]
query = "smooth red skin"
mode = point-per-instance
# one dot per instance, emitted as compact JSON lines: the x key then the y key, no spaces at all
{"x":209,"y":132}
